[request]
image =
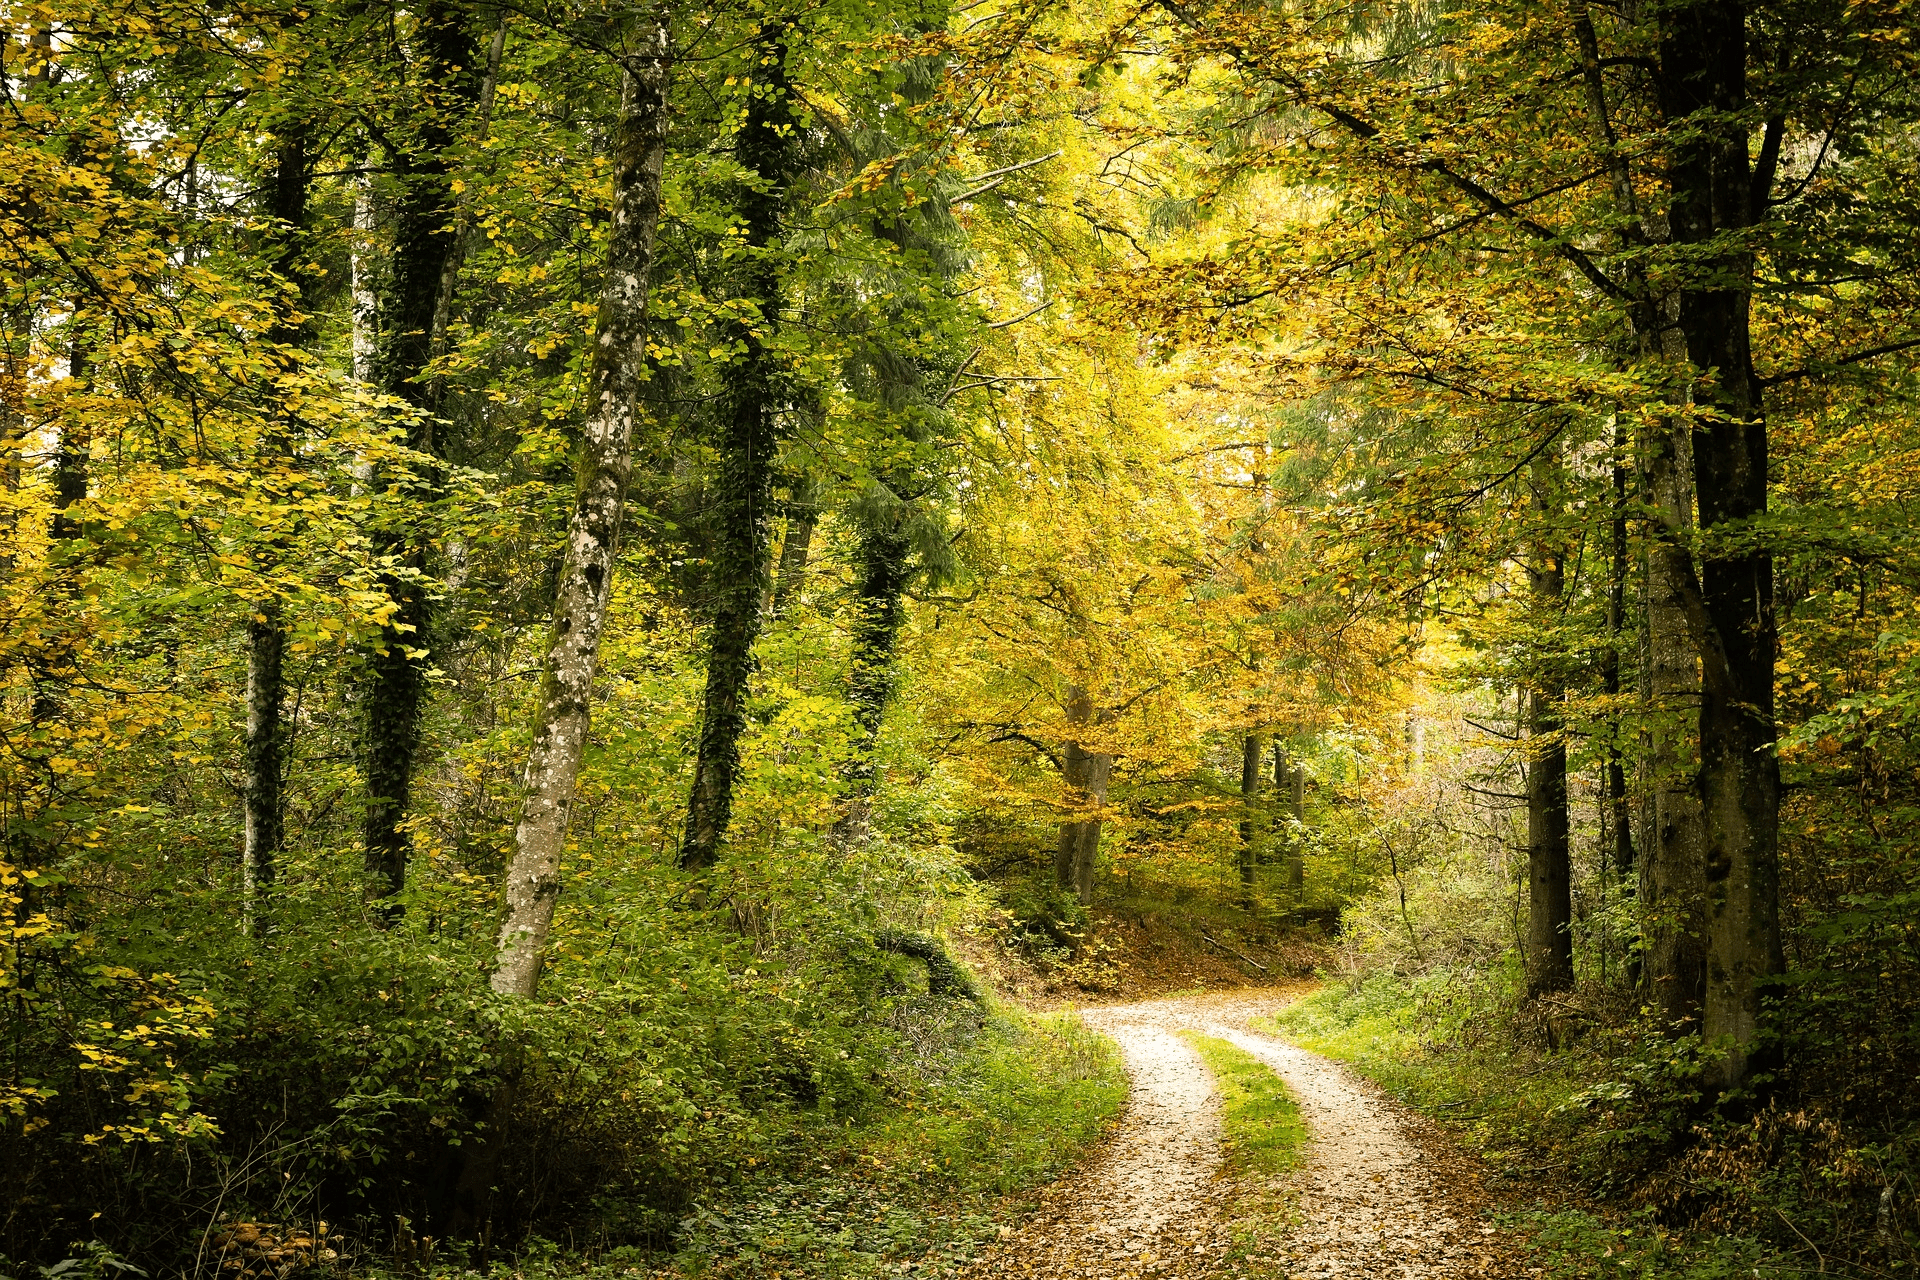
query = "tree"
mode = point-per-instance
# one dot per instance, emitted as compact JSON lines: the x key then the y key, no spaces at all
{"x":757,"y":398}
{"x":620,"y":365}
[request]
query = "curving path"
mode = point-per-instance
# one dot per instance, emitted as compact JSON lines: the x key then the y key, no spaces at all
{"x":1368,"y":1201}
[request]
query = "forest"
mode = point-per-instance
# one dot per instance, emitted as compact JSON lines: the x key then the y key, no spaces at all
{"x":612,"y":612}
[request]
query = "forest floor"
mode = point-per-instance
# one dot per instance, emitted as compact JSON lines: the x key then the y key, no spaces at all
{"x":1381,"y":1192}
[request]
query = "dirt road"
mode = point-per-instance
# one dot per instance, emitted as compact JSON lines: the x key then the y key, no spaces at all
{"x":1368,"y":1200}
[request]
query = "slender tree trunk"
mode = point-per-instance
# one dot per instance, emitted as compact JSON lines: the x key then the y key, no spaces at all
{"x":263,"y":828}
{"x":264,"y":831}
{"x":395,"y":688}
{"x":532,"y":883}
{"x":749,"y":451}
{"x":1715,"y":193}
{"x":1619,"y":816}
{"x":52,"y":666}
{"x":1549,"y":858}
{"x":1291,"y":778}
{"x":1086,"y":774}
{"x":1252,"y":748}
{"x":803,"y":513}
{"x":13,"y":430}
{"x":363,"y":299}
{"x":883,"y":553}
{"x":462,"y":232}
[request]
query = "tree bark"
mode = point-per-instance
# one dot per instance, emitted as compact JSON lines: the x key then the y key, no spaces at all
{"x":1549,"y":861}
{"x":266,"y":734}
{"x":51,"y":669}
{"x":606,"y":460}
{"x":1252,"y":748}
{"x":263,"y":826}
{"x":1086,"y":774}
{"x":462,"y":231}
{"x":396,"y":688}
{"x":1671,"y":890}
{"x":1715,"y":193}
{"x":749,"y":450}
{"x":1292,"y":778}
{"x":1619,"y":816}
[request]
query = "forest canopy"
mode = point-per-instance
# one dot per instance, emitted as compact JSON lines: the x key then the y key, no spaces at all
{"x":560,"y":563}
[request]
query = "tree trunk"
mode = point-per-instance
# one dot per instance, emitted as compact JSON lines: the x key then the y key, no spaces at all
{"x":266,"y":734}
{"x":263,"y":827}
{"x":396,"y":686}
{"x":1252,"y":748}
{"x":803,"y":514}
{"x":749,"y":451}
{"x":1549,"y":861}
{"x":363,"y":300}
{"x":456,"y":257}
{"x":51,"y":669}
{"x":1672,"y":914}
{"x":1714,"y":195}
{"x":606,"y":459}
{"x":1292,"y":779}
{"x":1621,"y":826}
{"x":1086,"y":774}
{"x":883,"y":554}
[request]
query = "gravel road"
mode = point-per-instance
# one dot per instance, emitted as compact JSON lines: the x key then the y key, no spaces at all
{"x":1368,"y":1199}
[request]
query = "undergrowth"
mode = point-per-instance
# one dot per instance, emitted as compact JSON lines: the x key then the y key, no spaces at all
{"x":1575,"y":1096}
{"x":914,"y":1188}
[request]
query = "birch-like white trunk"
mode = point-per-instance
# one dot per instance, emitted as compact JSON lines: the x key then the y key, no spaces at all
{"x":580,"y":604}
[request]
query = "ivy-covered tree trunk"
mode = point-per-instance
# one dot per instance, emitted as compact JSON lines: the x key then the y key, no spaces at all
{"x":606,"y":461}
{"x":883,"y":557}
{"x":1549,"y":862}
{"x":395,"y":684}
{"x":1716,"y":194}
{"x":749,"y":451}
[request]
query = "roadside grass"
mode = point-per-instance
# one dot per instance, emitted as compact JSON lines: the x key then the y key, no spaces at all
{"x":974,"y":1121}
{"x":1528,"y":1114}
{"x":932,"y":1176}
{"x":1511,"y":1111}
{"x":1265,"y":1139}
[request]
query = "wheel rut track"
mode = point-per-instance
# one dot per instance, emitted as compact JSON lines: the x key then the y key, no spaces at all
{"x":1368,"y":1202}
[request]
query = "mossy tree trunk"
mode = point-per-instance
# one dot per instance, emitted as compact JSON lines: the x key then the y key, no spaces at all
{"x":1086,"y":774}
{"x":394,"y":688}
{"x":1717,"y":191}
{"x":749,"y":453}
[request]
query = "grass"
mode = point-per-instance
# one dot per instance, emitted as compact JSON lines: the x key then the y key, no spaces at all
{"x":1265,"y":1139}
{"x":1527,"y":1113}
{"x":1260,"y":1124}
{"x":933,"y":1175}
{"x":972,"y":1125}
